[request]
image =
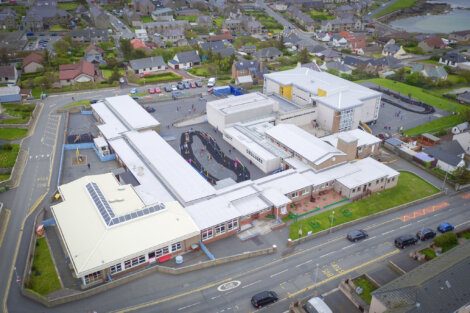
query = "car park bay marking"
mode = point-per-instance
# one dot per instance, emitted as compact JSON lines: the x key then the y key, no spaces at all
{"x":424,"y":211}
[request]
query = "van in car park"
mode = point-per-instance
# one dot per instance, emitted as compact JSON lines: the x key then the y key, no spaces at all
{"x":211,"y":82}
{"x":317,"y":305}
{"x":405,"y":241}
{"x":264,"y":298}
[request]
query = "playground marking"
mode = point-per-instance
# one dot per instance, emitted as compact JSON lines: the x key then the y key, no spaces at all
{"x":424,"y":211}
{"x":466,"y":195}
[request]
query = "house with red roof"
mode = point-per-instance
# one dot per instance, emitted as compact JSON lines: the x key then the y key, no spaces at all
{"x":82,"y":72}
{"x":33,"y":63}
{"x":432,"y":43}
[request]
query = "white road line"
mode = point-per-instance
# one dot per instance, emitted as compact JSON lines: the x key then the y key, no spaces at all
{"x":299,"y":265}
{"x":330,"y":292}
{"x":388,"y":232}
{"x":347,"y":247}
{"x":279,"y":273}
{"x":369,"y":238}
{"x":322,"y":256}
{"x":437,"y":214}
{"x":462,"y":223}
{"x":404,"y":226}
{"x":216,"y":297}
{"x":258,"y":281}
{"x":188,"y":306}
{"x":423,"y":219}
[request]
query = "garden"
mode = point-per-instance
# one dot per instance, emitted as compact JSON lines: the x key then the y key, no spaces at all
{"x":409,"y":188}
{"x":395,"y":6}
{"x":319,"y":15}
{"x":16,"y":113}
{"x":267,"y":21}
{"x":367,"y":286}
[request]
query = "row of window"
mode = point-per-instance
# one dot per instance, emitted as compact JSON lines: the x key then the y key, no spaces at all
{"x":219,"y":229}
{"x":257,"y":158}
{"x":96,"y":276}
{"x":299,"y":193}
{"x":134,"y":262}
{"x":376,"y":182}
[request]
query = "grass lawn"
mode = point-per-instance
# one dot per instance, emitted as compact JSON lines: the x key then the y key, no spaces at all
{"x":57,"y":28}
{"x":189,"y":18}
{"x":4,"y":177}
{"x":318,"y":15}
{"x":85,"y":103}
{"x":464,"y":234}
{"x":429,"y":253}
{"x":19,"y":113}
{"x":160,"y":78}
{"x":409,"y":188}
{"x":218,"y":22}
{"x":44,"y":278}
{"x":435,"y":126}
{"x":107,"y":73}
{"x":147,"y":19}
{"x":67,"y":6}
{"x":36,"y":92}
{"x":267,"y":21}
{"x":397,"y":5}
{"x":367,"y":288}
{"x":12,"y":133}
{"x":8,"y":157}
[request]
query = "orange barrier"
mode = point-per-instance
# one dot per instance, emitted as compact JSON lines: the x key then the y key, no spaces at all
{"x":424,"y":211}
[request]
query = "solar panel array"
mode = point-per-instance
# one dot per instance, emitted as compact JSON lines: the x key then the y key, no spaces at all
{"x":107,"y":212}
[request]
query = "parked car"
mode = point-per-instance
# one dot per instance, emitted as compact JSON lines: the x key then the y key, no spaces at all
{"x":425,"y":234}
{"x":133,"y":91}
{"x":149,"y":109}
{"x":192,"y":84}
{"x":174,"y":88}
{"x":151,"y":90}
{"x":186,"y":85}
{"x":357,"y":235}
{"x":211,"y":82}
{"x":176,"y":94}
{"x":93,"y":101}
{"x":445,"y":227}
{"x":158,"y":90}
{"x":168,"y":88}
{"x":264,"y":298}
{"x":180,"y":86}
{"x":405,"y":241}
{"x":317,"y":305}
{"x":199,"y":84}
{"x":121,"y":80}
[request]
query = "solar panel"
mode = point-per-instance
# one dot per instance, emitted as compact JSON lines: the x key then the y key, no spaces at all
{"x":107,"y":213}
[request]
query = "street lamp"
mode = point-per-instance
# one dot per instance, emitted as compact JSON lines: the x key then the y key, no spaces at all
{"x":332,"y":220}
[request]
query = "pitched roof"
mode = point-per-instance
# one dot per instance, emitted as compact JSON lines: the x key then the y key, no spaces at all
{"x":246,"y":65}
{"x":434,"y":42}
{"x":92,"y":47}
{"x":147,"y":62}
{"x":7,"y":71}
{"x":268,"y":52}
{"x":337,"y":66}
{"x":449,"y":152}
{"x":89,"y":33}
{"x":33,"y":57}
{"x":138,"y":44}
{"x":453,"y":57}
{"x":464,"y":97}
{"x":188,"y":57}
{"x":71,"y":71}
{"x":224,"y":36}
{"x":212,"y":45}
{"x":430,"y":70}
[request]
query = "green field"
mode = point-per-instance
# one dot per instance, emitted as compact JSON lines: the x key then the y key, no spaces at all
{"x":4,"y":177}
{"x":107,"y":73}
{"x":12,"y":133}
{"x":57,"y":28}
{"x":17,"y":113}
{"x":267,"y":21}
{"x":409,"y":188}
{"x":67,"y":6}
{"x":160,"y":78}
{"x":85,"y":103}
{"x":322,"y":16}
{"x":397,"y":5}
{"x":367,"y":288}
{"x":44,"y":278}
{"x":147,"y":19}
{"x":189,"y":18}
{"x":8,"y":157}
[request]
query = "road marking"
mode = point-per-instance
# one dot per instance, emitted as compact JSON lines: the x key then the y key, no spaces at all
{"x":216,"y":297}
{"x":347,"y":247}
{"x":437,"y":214}
{"x":404,"y":226}
{"x":462,"y":224}
{"x":229,"y":285}
{"x":370,"y":238}
{"x":299,"y":265}
{"x":388,"y":232}
{"x":322,"y":256}
{"x":380,"y":224}
{"x":326,"y":294}
{"x":188,"y":306}
{"x":423,"y":219}
{"x":258,"y":281}
{"x":279,"y":273}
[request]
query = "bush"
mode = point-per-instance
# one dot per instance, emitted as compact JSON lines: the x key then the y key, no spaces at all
{"x":446,"y":241}
{"x":7,"y":147}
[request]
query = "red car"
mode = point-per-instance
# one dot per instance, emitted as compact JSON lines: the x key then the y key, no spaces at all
{"x":151,"y":91}
{"x":158,"y":90}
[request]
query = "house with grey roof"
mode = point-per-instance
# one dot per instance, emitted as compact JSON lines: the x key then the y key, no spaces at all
{"x":336,"y":66}
{"x":92,"y":35}
{"x":8,"y":74}
{"x":99,"y":17}
{"x":217,"y":47}
{"x":185,"y":60}
{"x":291,"y":39}
{"x":430,"y":70}
{"x":452,"y":59}
{"x":160,"y":26}
{"x":94,"y":54}
{"x":268,"y":54}
{"x":243,"y":68}
{"x":394,"y":50}
{"x":233,"y":23}
{"x":347,"y":22}
{"x":147,"y":65}
{"x":464,"y":98}
{"x":301,"y":18}
{"x":329,"y":55}
{"x":248,"y":49}
{"x":43,"y":16}
{"x":161,"y":12}
{"x":204,"y":21}
{"x":8,"y":19}
{"x":449,"y":154}
{"x":175,"y":36}
{"x":143,"y":7}
{"x":438,"y":285}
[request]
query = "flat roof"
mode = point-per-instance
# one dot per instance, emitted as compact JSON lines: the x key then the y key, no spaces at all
{"x":181,"y":179}
{"x":363,"y":138}
{"x":92,"y":245}
{"x":112,"y":127}
{"x":131,"y":113}
{"x":247,"y":102}
{"x":250,"y":144}
{"x":285,"y":182}
{"x":340,"y":93}
{"x":303,"y":143}
{"x":368,"y":170}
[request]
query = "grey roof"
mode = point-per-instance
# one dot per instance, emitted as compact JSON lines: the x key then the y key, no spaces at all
{"x":312,"y":65}
{"x":464,"y":97}
{"x":268,"y":52}
{"x":212,"y":45}
{"x":453,"y":57}
{"x":162,"y":11}
{"x":449,"y":152}
{"x":172,"y":32}
{"x":354,"y":61}
{"x":188,"y":57}
{"x":293,"y":38}
{"x":337,"y":66}
{"x":391,"y":48}
{"x":388,"y":61}
{"x":329,"y":53}
{"x":5,"y":12}
{"x":41,"y":12}
{"x":246,"y":65}
{"x":90,"y":33}
{"x":147,"y":62}
{"x":439,"y":285}
{"x":430,"y":70}
{"x":225,"y":52}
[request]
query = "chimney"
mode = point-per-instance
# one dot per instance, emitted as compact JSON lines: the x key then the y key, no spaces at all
{"x":348,"y":144}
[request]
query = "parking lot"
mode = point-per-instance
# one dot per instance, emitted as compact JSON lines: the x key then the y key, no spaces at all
{"x":42,"y":42}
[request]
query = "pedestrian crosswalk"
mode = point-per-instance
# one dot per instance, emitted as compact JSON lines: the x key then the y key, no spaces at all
{"x":39,"y":156}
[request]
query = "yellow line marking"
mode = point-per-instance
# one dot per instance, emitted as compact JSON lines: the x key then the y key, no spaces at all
{"x":3,"y":231}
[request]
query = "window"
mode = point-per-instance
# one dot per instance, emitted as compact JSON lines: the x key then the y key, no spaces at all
{"x":306,"y":191}
{"x":353,"y":190}
{"x":162,"y":251}
{"x":219,"y":229}
{"x":232,"y":224}
{"x":382,"y":179}
{"x":176,"y":247}
{"x":134,"y":262}
{"x":207,"y":234}
{"x":93,"y":277}
{"x":116,"y":268}
{"x":346,"y":119}
{"x":254,"y":156}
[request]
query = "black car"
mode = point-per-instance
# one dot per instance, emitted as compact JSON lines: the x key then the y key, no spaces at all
{"x":357,"y":235}
{"x":405,"y":241}
{"x":199,"y":84}
{"x":264,"y":298}
{"x":425,"y":234}
{"x":180,"y":86}
{"x":149,"y":109}
{"x":168,"y":88}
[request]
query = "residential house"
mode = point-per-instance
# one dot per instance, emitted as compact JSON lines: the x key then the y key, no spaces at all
{"x":185,"y":60}
{"x":82,"y":72}
{"x":187,"y":12}
{"x":348,"y":22}
{"x":339,"y":41}
{"x":141,"y":34}
{"x":460,"y":36}
{"x":382,"y":64}
{"x":394,"y":50}
{"x":431,"y":43}
{"x":312,"y":65}
{"x":33,"y":63}
{"x":217,"y":4}
{"x":464,"y":98}
{"x":354,"y":62}
{"x":130,"y":16}
{"x":9,"y":94}
{"x":143,"y":7}
{"x":8,"y":19}
{"x":174,"y":37}
{"x":138,"y":44}
{"x":159,"y":27}
{"x":157,"y":13}
{"x":99,"y":17}
{"x":204,"y":21}
{"x":226,"y":36}
{"x":251,"y":25}
{"x":8,"y":74}
{"x":291,"y":39}
{"x":329,"y":55}
{"x":279,"y":6}
{"x":13,"y":41}
{"x":323,"y":36}
{"x":94,"y":54}
{"x":464,"y":140}
{"x":301,"y":18}
{"x":432,"y":71}
{"x":452,"y":59}
{"x":42,"y":16}
{"x":357,"y":43}
{"x":248,"y":49}
{"x":268,"y":54}
{"x":217,"y":47}
{"x":233,"y":23}
{"x":337,"y":66}
{"x":244,"y":68}
{"x":92,"y":35}
{"x":450,"y":155}
{"x":345,"y":10}
{"x":147,"y":66}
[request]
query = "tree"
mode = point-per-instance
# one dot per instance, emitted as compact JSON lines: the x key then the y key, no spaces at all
{"x":126,"y":48}
{"x":461,"y":175}
{"x":114,"y":75}
{"x":61,"y":47}
{"x":280,"y":43}
{"x":304,"y":56}
{"x":4,"y":59}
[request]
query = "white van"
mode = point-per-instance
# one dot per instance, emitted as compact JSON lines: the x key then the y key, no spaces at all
{"x":211,"y":82}
{"x":317,"y":305}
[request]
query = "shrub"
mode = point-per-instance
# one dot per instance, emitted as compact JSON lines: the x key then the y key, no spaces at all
{"x":7,"y":147}
{"x":446,"y":241}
